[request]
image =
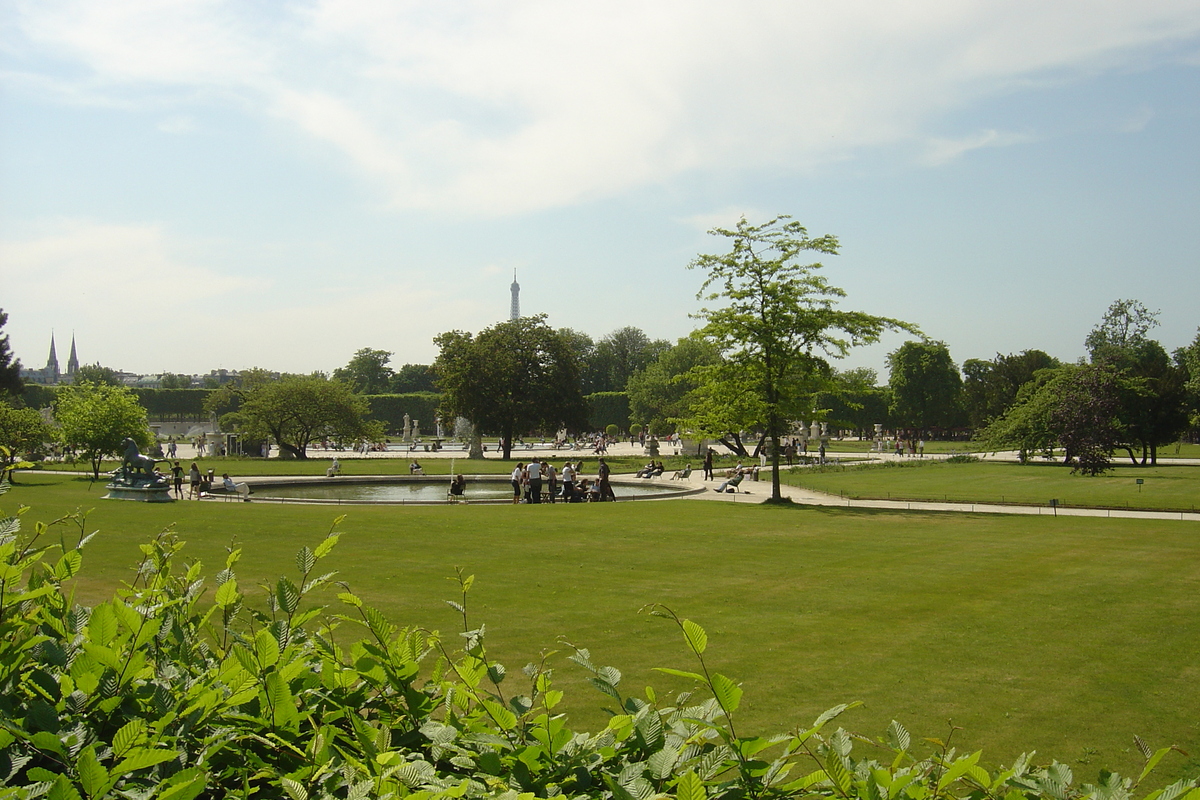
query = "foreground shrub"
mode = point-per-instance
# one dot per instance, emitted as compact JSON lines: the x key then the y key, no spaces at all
{"x":172,"y":691}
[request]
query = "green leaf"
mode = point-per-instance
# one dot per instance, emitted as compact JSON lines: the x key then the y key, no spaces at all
{"x":287,"y":595}
{"x":689,"y":787}
{"x":92,"y":776}
{"x":294,"y":789}
{"x":305,"y":560}
{"x":350,"y":599}
{"x":227,"y":594}
{"x":183,"y":785}
{"x":898,"y":737}
{"x":68,"y":565}
{"x":837,"y":772}
{"x":266,"y":649}
{"x":102,"y":625}
{"x":696,"y":638}
{"x":62,"y":790}
{"x":678,"y":673}
{"x":325,"y":546}
{"x":143,"y":758}
{"x":129,"y":735}
{"x":728,"y":693}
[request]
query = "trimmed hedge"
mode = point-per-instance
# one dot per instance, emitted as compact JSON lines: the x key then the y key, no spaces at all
{"x":608,"y":408}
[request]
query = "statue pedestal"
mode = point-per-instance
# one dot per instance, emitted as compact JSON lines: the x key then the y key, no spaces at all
{"x":143,"y":494}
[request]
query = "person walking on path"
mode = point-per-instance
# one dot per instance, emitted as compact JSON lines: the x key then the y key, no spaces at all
{"x":194,"y":481}
{"x":177,"y":479}
{"x":606,"y":490}
{"x":708,"y":458}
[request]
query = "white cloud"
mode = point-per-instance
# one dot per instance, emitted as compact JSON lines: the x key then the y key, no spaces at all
{"x":504,"y":107}
{"x":943,"y":151}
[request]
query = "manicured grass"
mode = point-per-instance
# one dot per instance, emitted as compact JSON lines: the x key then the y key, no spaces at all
{"x":1062,"y":635}
{"x":1173,"y":488}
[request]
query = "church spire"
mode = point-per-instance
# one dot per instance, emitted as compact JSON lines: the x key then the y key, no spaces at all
{"x":73,"y":360}
{"x":52,"y":362}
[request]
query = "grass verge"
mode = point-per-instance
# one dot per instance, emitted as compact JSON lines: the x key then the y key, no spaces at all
{"x":1063,"y":635}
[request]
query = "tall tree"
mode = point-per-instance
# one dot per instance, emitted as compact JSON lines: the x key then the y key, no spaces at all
{"x":22,"y":431}
{"x":855,"y":401}
{"x":777,"y":325}
{"x":413,"y":378}
{"x":170,"y":380}
{"x":1085,"y":418}
{"x":1154,"y":398}
{"x":298,"y":410}
{"x":657,"y":394}
{"x":368,"y":372}
{"x":622,"y":353}
{"x":10,"y":368}
{"x":95,"y":418}
{"x":514,"y":377}
{"x":990,"y":387}
{"x":94,"y":373}
{"x":926,"y":387}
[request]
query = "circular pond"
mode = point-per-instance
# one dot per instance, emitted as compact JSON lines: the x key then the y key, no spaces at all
{"x":393,"y":490}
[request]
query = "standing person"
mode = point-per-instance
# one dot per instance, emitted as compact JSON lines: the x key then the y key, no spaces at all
{"x":551,"y":480}
{"x":194,"y":481}
{"x":535,"y":482}
{"x":606,"y":490}
{"x":177,"y":479}
{"x":921,"y":448}
{"x":568,"y":482}
{"x":171,"y":447}
{"x":518,"y":477}
{"x":708,"y":459}
{"x":821,"y":452}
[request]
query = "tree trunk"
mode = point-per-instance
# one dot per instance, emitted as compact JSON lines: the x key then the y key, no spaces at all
{"x":476,"y":448}
{"x":736,"y":445}
{"x":506,"y":442}
{"x":776,"y":494}
{"x":293,"y":451}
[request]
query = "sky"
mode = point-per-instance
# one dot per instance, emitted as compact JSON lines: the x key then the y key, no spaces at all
{"x":188,"y":185}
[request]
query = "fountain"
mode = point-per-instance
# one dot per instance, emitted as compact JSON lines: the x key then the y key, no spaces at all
{"x":136,"y":478}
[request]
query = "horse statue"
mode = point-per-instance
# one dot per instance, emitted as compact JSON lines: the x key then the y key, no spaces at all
{"x":134,"y":463}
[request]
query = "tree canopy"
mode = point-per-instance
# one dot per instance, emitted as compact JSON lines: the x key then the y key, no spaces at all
{"x":513,"y":378}
{"x":95,"y":418}
{"x":368,"y":372}
{"x":658,"y":393}
{"x":10,"y":368}
{"x":926,"y":387}
{"x":778,"y":324}
{"x":298,"y":410}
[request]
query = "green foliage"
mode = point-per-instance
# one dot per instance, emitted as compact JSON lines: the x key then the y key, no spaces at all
{"x":10,"y":368}
{"x":35,"y":395}
{"x":176,"y":689}
{"x":297,"y":410}
{"x":778,"y":325}
{"x":94,"y":373}
{"x":412,"y":378}
{"x":658,"y":393}
{"x":607,"y":408}
{"x":513,"y":378}
{"x":22,"y":432}
{"x":174,"y":405}
{"x":95,"y":418}
{"x":990,"y":387}
{"x":926,"y":387}
{"x":172,"y":380}
{"x":389,"y":409}
{"x":368,"y":372}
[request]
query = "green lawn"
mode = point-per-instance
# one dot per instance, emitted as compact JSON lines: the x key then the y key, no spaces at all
{"x":1165,"y":487}
{"x":1063,"y":635}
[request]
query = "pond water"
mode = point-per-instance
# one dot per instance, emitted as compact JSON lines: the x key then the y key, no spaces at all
{"x":428,"y":491}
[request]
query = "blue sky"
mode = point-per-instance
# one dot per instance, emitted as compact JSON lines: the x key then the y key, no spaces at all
{"x":196,"y":184}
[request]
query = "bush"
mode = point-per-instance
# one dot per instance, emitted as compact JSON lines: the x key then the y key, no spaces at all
{"x":962,"y":459}
{"x":168,"y":692}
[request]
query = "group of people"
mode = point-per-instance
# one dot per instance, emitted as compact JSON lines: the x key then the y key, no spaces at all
{"x":568,"y":484}
{"x":651,"y":470}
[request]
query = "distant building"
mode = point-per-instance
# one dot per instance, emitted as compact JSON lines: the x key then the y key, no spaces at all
{"x":51,"y":374}
{"x":514,"y":309}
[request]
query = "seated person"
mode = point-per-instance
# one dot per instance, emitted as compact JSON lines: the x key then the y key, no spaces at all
{"x":657,"y":471}
{"x":645,"y":471}
{"x":731,"y":484}
{"x":231,"y":487}
{"x":682,"y":474}
{"x":593,"y":493}
{"x":458,"y":485}
{"x":334,"y":469}
{"x":415,"y":469}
